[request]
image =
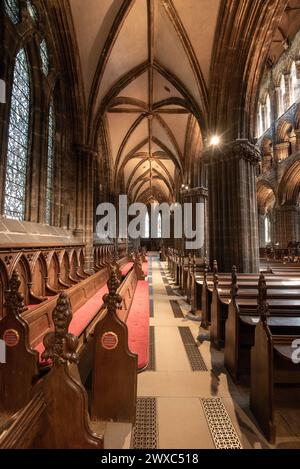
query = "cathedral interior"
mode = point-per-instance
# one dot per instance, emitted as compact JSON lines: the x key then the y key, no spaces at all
{"x":149,"y":342}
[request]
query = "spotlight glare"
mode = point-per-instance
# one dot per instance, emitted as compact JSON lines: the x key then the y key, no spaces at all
{"x":215,"y":140}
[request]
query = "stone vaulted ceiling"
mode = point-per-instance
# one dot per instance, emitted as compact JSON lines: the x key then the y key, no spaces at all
{"x":145,"y":67}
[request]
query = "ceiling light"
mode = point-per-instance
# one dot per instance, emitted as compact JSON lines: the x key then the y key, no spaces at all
{"x":215,"y":140}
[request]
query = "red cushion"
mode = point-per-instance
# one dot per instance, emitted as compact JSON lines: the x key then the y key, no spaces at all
{"x":81,"y":318}
{"x":138,"y":323}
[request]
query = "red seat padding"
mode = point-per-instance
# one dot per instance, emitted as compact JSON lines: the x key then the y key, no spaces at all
{"x":138,"y":323}
{"x":82,"y":317}
{"x":126,"y":269}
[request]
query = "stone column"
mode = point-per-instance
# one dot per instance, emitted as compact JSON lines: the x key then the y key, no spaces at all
{"x":233,"y":222}
{"x":85,"y":199}
{"x":194,"y":196}
{"x":286,"y":224}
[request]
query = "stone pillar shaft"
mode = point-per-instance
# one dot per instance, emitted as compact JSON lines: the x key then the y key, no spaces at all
{"x":233,"y":221}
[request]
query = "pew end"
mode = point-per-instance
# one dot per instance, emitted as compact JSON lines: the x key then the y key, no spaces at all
{"x":114,"y":380}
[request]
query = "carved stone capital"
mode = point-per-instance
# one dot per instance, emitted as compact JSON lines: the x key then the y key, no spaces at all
{"x":196,"y":191}
{"x":238,"y":149}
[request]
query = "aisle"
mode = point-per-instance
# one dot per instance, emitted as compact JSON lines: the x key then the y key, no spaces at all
{"x":179,"y":407}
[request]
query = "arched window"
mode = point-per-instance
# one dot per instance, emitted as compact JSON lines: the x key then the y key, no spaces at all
{"x":260,"y":130}
{"x":17,"y":146}
{"x":268,"y":113}
{"x":281,"y":103}
{"x":44,"y":57}
{"x":267,"y":229}
{"x":12,"y":9}
{"x":294,"y":83}
{"x":32,"y":11}
{"x":159,"y":225}
{"x":50,"y":164}
{"x":147,"y":225}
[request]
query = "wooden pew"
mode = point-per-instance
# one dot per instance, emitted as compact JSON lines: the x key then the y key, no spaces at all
{"x":272,"y":363}
{"x":23,"y":360}
{"x":56,"y":417}
{"x":18,"y":373}
{"x":195,"y":266}
{"x":240,"y":327}
{"x":278,"y":288}
{"x":114,"y":371}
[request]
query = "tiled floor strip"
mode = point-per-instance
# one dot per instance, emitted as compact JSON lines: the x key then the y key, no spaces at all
{"x":193,"y":353}
{"x":151,"y":363}
{"x":177,"y":311}
{"x":220,"y":425}
{"x":145,"y":434}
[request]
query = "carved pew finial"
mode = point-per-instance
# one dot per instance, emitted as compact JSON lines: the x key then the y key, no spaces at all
{"x":14,"y":301}
{"x":60,"y":345}
{"x":139,"y":266}
{"x":262,"y":305}
{"x":234,"y":286}
{"x":112,"y":300}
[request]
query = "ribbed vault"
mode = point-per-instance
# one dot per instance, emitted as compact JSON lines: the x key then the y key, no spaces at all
{"x":146,"y":79}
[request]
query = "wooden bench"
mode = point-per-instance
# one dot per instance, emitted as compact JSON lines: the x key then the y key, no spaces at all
{"x":272,"y":364}
{"x":243,"y":316}
{"x":278,"y":288}
{"x":56,"y":415}
{"x":60,"y":398}
{"x":85,"y":295}
{"x":23,"y":359}
{"x":114,"y":371}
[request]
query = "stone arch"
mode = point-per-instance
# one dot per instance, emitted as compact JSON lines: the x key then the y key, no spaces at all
{"x":266,"y":197}
{"x":289,"y":187}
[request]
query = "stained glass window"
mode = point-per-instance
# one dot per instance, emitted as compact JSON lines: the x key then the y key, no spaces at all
{"x":32,"y":11}
{"x":17,"y":152}
{"x":268,"y":112}
{"x":12,"y":9}
{"x":50,"y":164}
{"x":147,"y":225}
{"x":159,"y":225}
{"x":295,"y":83}
{"x":267,"y":230}
{"x":282,"y":96}
{"x":260,"y":121}
{"x":44,"y":57}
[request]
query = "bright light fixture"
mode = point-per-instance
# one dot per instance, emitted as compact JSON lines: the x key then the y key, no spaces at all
{"x":215,"y":140}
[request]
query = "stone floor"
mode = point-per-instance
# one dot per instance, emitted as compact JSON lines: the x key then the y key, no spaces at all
{"x":196,"y":409}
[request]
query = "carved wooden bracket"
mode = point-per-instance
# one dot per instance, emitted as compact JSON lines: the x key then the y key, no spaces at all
{"x":14,"y":301}
{"x":262,"y":305}
{"x":60,"y":345}
{"x":234,"y":286}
